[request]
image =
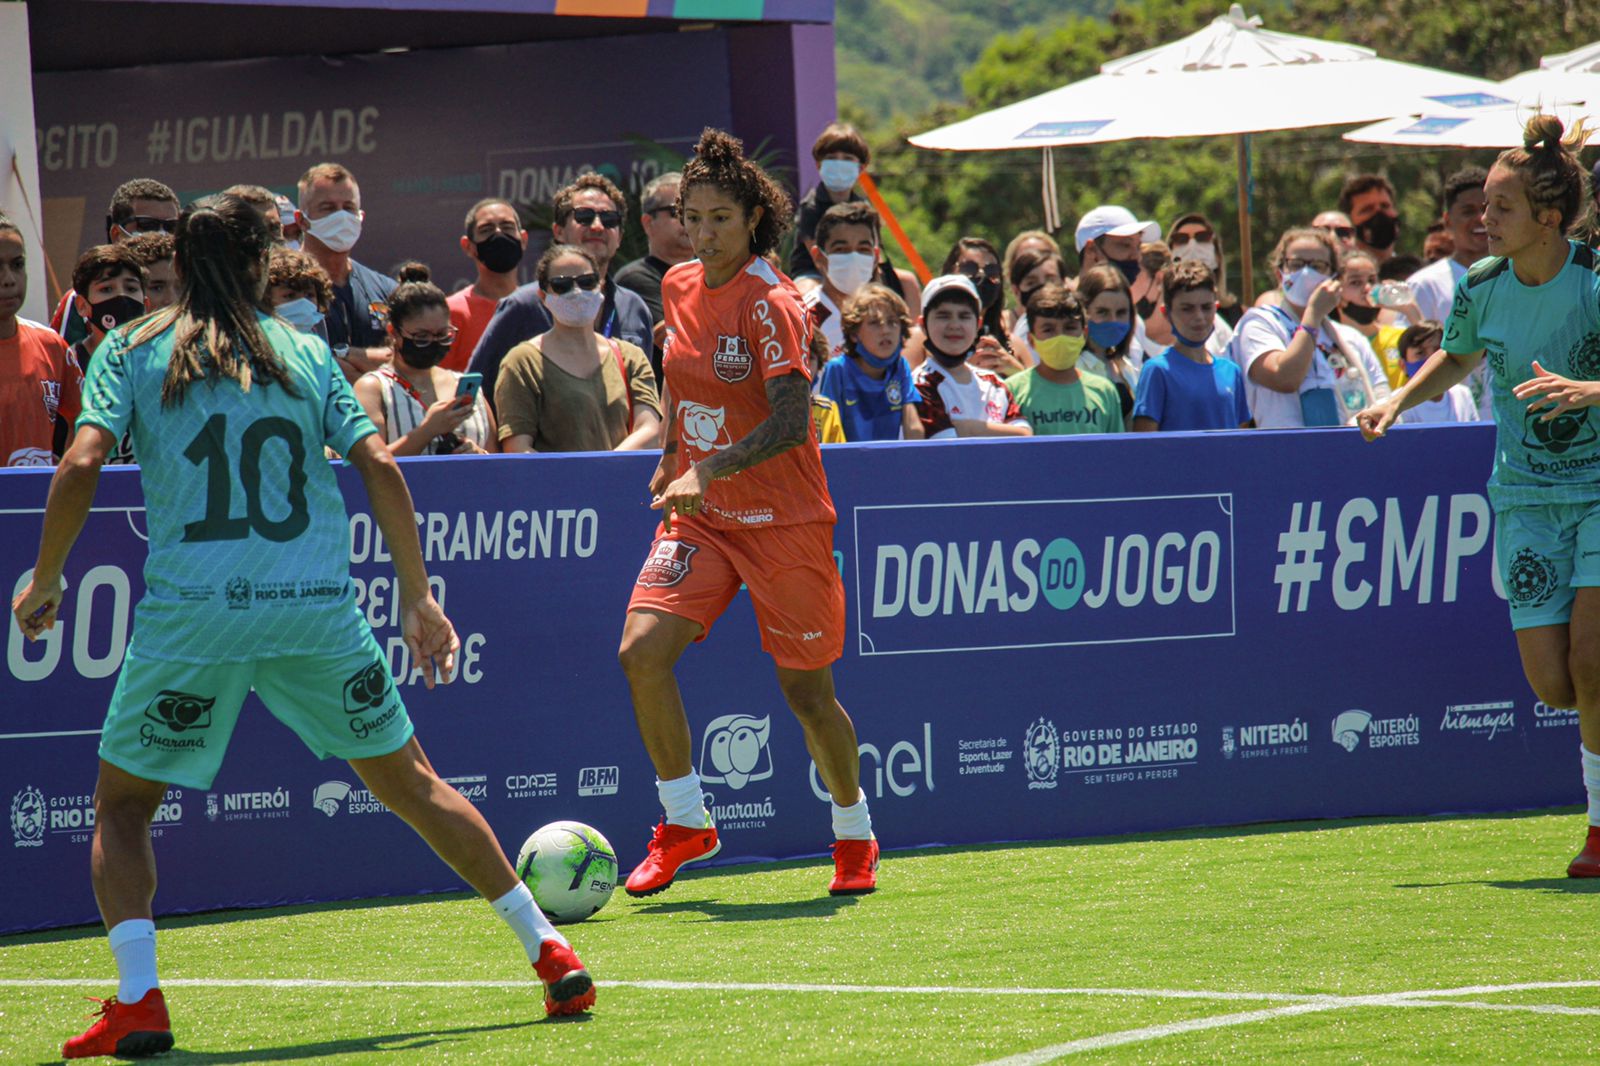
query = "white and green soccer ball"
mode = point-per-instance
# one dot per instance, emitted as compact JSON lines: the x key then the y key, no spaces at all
{"x":570,"y":869}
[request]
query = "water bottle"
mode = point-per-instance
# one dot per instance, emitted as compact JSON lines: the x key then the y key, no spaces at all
{"x":1392,"y":294}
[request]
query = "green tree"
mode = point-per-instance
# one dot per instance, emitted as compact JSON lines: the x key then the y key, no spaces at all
{"x":940,"y":196}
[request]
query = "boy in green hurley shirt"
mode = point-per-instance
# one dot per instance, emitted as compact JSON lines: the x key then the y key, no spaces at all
{"x":1055,"y":398}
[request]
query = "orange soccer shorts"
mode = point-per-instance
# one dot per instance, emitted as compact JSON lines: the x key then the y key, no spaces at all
{"x":794,"y":585}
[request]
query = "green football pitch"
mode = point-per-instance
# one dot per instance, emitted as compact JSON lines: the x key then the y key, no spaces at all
{"x":1438,"y":940}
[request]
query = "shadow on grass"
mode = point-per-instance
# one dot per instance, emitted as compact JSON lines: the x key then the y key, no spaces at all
{"x":388,"y":1043}
{"x":1567,"y":886}
{"x":718,"y":911}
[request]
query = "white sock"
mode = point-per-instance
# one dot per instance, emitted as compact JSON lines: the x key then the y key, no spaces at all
{"x":683,"y":801}
{"x":1591,"y":782}
{"x":853,"y":822}
{"x":526,"y":920}
{"x":133,"y":944}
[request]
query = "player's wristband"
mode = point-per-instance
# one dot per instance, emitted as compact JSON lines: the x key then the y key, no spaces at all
{"x":1303,"y":328}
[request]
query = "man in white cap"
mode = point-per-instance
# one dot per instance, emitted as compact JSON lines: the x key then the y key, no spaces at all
{"x":1110,"y":235}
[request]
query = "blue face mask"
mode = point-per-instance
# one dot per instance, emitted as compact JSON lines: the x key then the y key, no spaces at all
{"x":300,"y":313}
{"x":1412,"y":368}
{"x":1193,"y":342}
{"x":1107,"y":335}
{"x":873,"y":361}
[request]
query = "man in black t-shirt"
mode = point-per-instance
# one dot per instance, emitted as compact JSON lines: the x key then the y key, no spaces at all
{"x":669,"y":246}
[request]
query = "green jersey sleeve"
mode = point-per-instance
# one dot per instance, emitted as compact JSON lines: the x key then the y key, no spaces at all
{"x":343,"y":420}
{"x":1461,"y":328}
{"x":108,"y":389}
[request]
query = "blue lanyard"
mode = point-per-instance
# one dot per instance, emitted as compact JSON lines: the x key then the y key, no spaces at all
{"x":611,"y":320}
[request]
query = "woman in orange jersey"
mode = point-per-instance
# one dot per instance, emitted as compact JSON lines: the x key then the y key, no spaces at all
{"x":743,"y":499}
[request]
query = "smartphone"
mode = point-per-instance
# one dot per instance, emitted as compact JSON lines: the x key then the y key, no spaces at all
{"x":469,"y":385}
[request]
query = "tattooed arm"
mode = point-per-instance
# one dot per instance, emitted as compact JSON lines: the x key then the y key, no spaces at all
{"x":788,"y":425}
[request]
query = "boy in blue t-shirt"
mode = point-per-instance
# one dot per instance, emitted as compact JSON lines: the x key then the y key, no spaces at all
{"x":1185,"y":387}
{"x":871,"y":383}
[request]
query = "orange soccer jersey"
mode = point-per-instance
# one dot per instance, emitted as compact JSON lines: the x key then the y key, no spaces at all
{"x":721,"y":346}
{"x":38,"y":380}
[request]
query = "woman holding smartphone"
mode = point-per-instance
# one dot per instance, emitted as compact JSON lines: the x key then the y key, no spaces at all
{"x":419,"y":407}
{"x":572,"y":389}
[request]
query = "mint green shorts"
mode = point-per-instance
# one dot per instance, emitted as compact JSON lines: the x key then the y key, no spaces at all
{"x":171,"y":721}
{"x":1545,"y":553}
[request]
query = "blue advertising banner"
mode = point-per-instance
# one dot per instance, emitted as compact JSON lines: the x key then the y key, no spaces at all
{"x":1048,"y":638}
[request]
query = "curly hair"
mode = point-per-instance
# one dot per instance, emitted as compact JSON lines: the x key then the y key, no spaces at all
{"x":719,"y":162}
{"x":1548,"y":165}
{"x":121,"y":209}
{"x":302,"y":274}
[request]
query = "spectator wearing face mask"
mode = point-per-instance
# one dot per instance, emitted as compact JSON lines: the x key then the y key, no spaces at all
{"x":299,"y":291}
{"x":574,"y":389}
{"x":1109,"y":235}
{"x":1192,"y":237}
{"x":142,"y":205}
{"x":870,"y":382}
{"x":1030,"y":270}
{"x":155,"y":252}
{"x":1302,"y":368}
{"x":1462,"y":203}
{"x":495,"y":242}
{"x":108,"y":281}
{"x":589,"y":214}
{"x":977,"y":260}
{"x":1056,"y":397}
{"x":1358,"y":277}
{"x":958,"y":400}
{"x":1030,"y":241}
{"x":841,"y":154}
{"x":290,"y":235}
{"x":413,"y":400}
{"x":1108,"y":310}
{"x":330,"y":212}
{"x":1418,"y":343}
{"x":846,"y":253}
{"x":1188,"y":387}
{"x":1369,"y":201}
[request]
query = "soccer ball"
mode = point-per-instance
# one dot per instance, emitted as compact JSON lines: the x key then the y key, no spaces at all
{"x":570,"y":869}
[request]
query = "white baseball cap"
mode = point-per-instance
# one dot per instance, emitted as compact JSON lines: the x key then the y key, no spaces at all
{"x":1110,"y":220}
{"x":946,"y":282}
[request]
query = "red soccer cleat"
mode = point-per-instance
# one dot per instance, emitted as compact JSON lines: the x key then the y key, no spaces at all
{"x":855,"y":867}
{"x":568,"y":988}
{"x":1587,"y":862}
{"x":131,"y":1030}
{"x":671,"y":846}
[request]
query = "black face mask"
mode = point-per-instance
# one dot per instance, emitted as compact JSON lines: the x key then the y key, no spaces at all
{"x":110,"y":313}
{"x":1360,"y":315}
{"x":947,"y":360}
{"x":988,"y":292}
{"x":499,"y":253}
{"x":423,"y":356}
{"x":1145,"y":308}
{"x":1379,"y":231}
{"x":1129,"y":268}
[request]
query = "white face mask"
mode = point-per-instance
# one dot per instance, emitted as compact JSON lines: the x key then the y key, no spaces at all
{"x":839,"y":175}
{"x":1201,"y":252}
{"x":575,"y":308}
{"x":850,"y":270}
{"x":339,"y":231}
{"x":300,"y":313}
{"x":1299,"y":286}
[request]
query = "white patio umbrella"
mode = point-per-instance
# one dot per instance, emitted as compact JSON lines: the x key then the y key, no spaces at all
{"x":1231,"y":78}
{"x":1566,"y":85}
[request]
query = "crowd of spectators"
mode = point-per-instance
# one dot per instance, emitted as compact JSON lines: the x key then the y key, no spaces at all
{"x":1132,"y":328}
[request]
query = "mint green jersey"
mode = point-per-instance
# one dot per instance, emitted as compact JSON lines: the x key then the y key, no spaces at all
{"x":249,"y":540}
{"x":1557,"y":323}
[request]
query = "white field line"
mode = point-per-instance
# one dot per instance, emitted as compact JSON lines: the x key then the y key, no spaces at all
{"x":1418,"y":998}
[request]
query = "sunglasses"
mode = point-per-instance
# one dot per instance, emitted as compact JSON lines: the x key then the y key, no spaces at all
{"x":146,"y":224}
{"x":446,"y":340}
{"x":969,"y":269}
{"x":585,"y":216}
{"x":1204,"y":236}
{"x":563,"y":285}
